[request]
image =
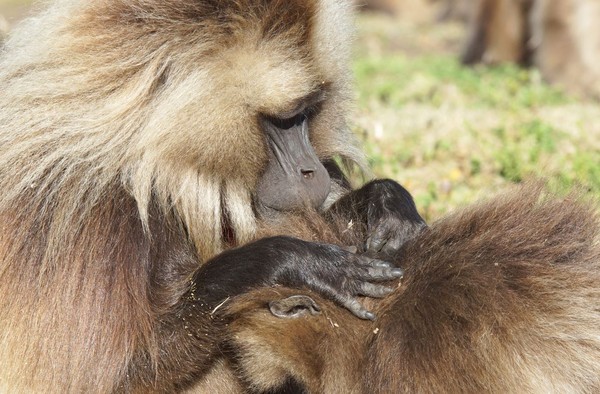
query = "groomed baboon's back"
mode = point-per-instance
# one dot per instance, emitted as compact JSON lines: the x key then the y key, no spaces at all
{"x":503,"y":296}
{"x":500,"y":297}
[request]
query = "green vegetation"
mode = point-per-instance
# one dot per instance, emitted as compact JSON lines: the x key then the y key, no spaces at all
{"x":452,"y":134}
{"x":397,"y":79}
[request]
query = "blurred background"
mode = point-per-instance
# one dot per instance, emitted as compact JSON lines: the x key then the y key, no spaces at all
{"x":458,"y":98}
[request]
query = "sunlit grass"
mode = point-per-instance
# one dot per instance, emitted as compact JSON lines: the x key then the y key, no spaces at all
{"x":397,"y":79}
{"x":452,"y":134}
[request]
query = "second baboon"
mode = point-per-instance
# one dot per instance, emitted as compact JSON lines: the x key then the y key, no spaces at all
{"x":501,"y":297}
{"x":498,"y":31}
{"x":565,"y":39}
{"x":561,"y":38}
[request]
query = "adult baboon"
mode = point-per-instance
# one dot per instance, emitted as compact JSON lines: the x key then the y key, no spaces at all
{"x":559,"y":37}
{"x":498,"y":31}
{"x":566,"y":42}
{"x":140,"y":139}
{"x":502,"y":297}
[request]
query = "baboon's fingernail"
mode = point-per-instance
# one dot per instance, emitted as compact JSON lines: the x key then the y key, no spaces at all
{"x":398,"y":272}
{"x":381,"y":264}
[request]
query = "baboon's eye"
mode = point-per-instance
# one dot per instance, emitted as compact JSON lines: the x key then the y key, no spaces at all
{"x":288,"y":123}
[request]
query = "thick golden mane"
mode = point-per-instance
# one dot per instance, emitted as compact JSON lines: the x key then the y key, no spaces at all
{"x":115,"y":114}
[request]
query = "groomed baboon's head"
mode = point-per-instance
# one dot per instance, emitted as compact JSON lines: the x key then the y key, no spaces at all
{"x":280,"y":333}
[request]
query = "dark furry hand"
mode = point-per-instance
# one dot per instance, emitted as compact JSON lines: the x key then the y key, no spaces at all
{"x":326,"y":269}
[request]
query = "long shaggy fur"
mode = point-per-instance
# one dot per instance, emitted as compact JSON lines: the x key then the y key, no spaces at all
{"x":502,"y":297}
{"x":129,"y":140}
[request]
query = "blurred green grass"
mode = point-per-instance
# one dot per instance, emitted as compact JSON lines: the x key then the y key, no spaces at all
{"x":452,"y":134}
{"x":397,"y":79}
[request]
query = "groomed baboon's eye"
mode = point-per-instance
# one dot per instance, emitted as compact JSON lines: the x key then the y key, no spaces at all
{"x":288,"y":123}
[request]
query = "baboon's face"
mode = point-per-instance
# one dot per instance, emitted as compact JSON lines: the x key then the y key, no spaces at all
{"x":253,"y":92}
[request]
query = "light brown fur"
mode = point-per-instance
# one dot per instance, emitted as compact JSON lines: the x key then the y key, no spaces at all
{"x":386,"y":6}
{"x":502,"y":297}
{"x":560,"y":37}
{"x":566,"y":41}
{"x":498,"y":31}
{"x":413,"y":10}
{"x":128,"y":136}
{"x":455,"y":9}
